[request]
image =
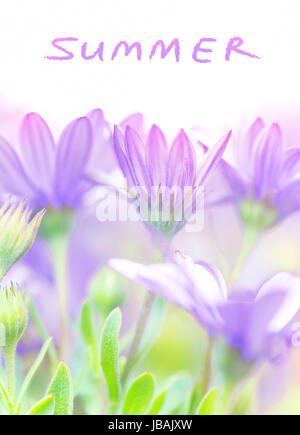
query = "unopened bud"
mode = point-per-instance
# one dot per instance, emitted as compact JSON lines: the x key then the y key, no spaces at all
{"x":13,"y":316}
{"x":17,"y":232}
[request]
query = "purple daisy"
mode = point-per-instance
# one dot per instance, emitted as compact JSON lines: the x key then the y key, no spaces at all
{"x":50,"y":173}
{"x":263,"y":176}
{"x":164,"y":182}
{"x":246,"y":320}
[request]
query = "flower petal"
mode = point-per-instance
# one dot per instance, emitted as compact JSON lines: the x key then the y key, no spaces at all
{"x":289,"y":286}
{"x":38,"y":149}
{"x":12,"y":175}
{"x":208,"y":281}
{"x":267,"y":161}
{"x":119,"y":148}
{"x":225,"y":186}
{"x":135,"y":150}
{"x":164,"y":279}
{"x":73,"y":152}
{"x":135,"y":121}
{"x":291,"y":166}
{"x":287,"y":200}
{"x":246,"y":325}
{"x":102,"y":155}
{"x":157,"y":156}
{"x":244,"y":146}
{"x":211,"y":159}
{"x":182,"y":162}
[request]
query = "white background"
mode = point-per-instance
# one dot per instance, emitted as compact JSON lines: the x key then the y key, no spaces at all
{"x":216,"y":95}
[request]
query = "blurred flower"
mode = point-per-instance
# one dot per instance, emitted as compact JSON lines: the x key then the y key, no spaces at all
{"x":57,"y":176}
{"x":13,"y":316}
{"x":264,"y":177}
{"x":246,"y":320}
{"x":165,"y":183}
{"x":46,"y":173}
{"x":50,"y":173}
{"x":17,"y":232}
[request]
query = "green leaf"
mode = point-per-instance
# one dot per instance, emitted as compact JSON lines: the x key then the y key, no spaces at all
{"x":158,"y":403}
{"x":172,"y":396}
{"x":244,"y":402}
{"x":44,"y":407}
{"x":208,"y":405}
{"x":177,"y":388}
{"x":61,"y":387}
{"x":31,"y":373}
{"x":139,"y":396}
{"x":5,"y":392}
{"x":109,"y":355}
{"x":195,"y":397}
{"x":86,"y":323}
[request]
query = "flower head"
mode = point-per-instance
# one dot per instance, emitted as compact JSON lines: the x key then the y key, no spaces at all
{"x":264,"y":177}
{"x":56,"y":173}
{"x":165,"y":183}
{"x":13,"y":316}
{"x":17,"y":232}
{"x":248,"y":321}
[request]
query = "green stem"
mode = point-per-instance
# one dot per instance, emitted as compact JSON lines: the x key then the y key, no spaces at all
{"x":249,"y":240}
{"x":59,"y":246}
{"x":206,"y":378}
{"x":41,"y":330}
{"x":139,"y":332}
{"x":10,"y":355}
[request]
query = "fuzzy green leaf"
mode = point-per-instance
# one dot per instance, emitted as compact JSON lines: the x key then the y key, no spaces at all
{"x":109,"y":355}
{"x":139,"y":396}
{"x":44,"y":407}
{"x":61,"y":387}
{"x":86,"y":323}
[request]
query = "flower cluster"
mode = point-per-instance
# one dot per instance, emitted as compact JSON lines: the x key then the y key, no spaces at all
{"x":254,"y":172}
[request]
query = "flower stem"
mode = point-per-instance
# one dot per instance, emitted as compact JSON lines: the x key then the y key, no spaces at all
{"x":250,"y":237}
{"x":10,"y":355}
{"x":59,"y":246}
{"x":140,"y":328}
{"x":207,"y":365}
{"x":41,"y":330}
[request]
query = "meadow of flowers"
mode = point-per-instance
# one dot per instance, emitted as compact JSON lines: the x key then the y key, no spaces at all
{"x":145,"y":275}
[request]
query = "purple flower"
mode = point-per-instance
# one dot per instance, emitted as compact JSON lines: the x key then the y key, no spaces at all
{"x":45,"y":172}
{"x":246,"y":320}
{"x":165,"y":183}
{"x":264,"y":177}
{"x":52,"y":174}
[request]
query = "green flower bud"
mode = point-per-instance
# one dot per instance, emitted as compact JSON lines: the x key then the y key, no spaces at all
{"x":13,"y":316}
{"x":17,"y":232}
{"x":108,"y":290}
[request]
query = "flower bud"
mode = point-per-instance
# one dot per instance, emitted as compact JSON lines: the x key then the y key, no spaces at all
{"x":108,"y":290}
{"x":17,"y":232}
{"x":13,"y":316}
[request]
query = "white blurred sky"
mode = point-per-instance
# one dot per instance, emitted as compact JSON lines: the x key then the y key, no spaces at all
{"x":214,"y":95}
